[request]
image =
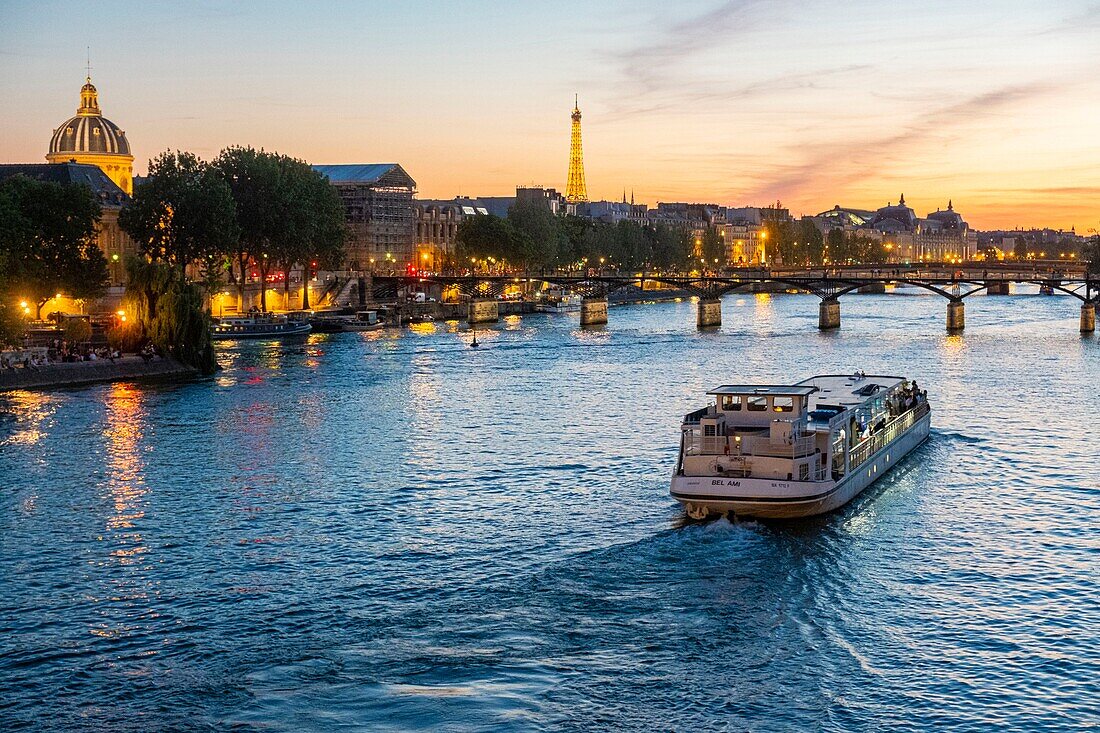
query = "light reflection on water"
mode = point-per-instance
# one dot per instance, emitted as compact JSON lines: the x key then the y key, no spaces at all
{"x":391,"y":531}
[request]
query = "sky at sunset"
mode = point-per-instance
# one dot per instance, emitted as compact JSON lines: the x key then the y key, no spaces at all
{"x":995,"y":105}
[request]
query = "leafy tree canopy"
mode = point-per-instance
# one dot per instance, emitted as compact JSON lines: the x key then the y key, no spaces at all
{"x":48,"y":241}
{"x":286,"y":211}
{"x":183,"y":213}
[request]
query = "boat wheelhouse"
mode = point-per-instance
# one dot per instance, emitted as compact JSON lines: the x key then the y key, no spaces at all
{"x":258,"y":326}
{"x":364,"y":321}
{"x":786,"y":451}
{"x":557,"y":300}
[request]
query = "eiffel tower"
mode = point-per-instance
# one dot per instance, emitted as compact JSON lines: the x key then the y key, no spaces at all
{"x":575,"y":190}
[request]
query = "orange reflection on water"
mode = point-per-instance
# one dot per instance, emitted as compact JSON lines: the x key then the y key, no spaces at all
{"x":125,"y":418}
{"x":32,"y":411}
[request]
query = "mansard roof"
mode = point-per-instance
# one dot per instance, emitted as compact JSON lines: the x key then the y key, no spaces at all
{"x":81,"y":174}
{"x":385,"y":174}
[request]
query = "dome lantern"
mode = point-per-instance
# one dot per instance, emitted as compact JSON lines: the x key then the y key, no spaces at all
{"x":89,"y":99}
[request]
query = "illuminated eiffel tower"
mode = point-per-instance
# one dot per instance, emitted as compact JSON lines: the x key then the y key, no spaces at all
{"x":575,"y":190}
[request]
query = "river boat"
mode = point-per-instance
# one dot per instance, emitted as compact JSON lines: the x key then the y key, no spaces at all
{"x":326,"y":323}
{"x":363,"y":321}
{"x":1046,"y":290}
{"x":258,"y":327}
{"x":783,"y":452}
{"x":556,"y":301}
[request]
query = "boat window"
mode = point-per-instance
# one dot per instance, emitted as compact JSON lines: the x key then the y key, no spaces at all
{"x":783,"y":404}
{"x":758,"y":404}
{"x":731,"y":402}
{"x":709,"y":430}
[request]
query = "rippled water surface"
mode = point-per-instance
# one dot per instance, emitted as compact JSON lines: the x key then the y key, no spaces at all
{"x":393,"y":531}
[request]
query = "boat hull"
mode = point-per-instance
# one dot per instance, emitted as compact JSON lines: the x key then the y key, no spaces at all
{"x":780,"y":499}
{"x":570,"y":308}
{"x":296,"y":330}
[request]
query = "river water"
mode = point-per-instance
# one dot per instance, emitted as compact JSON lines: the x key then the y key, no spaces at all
{"x":392,"y":531}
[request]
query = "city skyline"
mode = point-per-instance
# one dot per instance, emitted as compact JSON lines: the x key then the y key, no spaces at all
{"x":738,"y":103}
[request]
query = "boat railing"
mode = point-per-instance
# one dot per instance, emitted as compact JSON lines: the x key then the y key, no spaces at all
{"x":717,"y":445}
{"x":793,"y":448}
{"x":879,"y":440}
{"x":692,"y":418}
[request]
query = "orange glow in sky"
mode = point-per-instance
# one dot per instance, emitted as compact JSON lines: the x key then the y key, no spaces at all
{"x":992,"y":104}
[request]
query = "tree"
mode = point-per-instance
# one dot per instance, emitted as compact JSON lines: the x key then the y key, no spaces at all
{"x":673,"y":246}
{"x":836,"y":246}
{"x":287,"y":214}
{"x":812,"y":241}
{"x":579,"y":240}
{"x":713,"y":248}
{"x":12,"y":324}
{"x":263,"y":203}
{"x":169,"y":312}
{"x":1091,"y":253}
{"x":1019,"y":249}
{"x":485,"y":235}
{"x":315,"y":231}
{"x":541,"y":239}
{"x":183,"y":213}
{"x":867,"y":249}
{"x":47,"y":243}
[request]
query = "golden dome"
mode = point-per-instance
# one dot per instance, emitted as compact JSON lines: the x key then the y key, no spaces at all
{"x":89,"y":132}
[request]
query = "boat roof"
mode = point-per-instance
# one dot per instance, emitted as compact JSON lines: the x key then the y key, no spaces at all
{"x":763,"y":389}
{"x":843,"y":390}
{"x":839,"y":390}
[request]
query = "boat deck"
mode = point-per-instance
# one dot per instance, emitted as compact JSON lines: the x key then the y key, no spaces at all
{"x":846,"y":390}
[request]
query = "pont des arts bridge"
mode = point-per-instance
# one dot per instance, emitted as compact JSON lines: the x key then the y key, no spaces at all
{"x":955,"y":283}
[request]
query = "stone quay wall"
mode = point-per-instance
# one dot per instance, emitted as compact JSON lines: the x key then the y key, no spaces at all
{"x":90,"y":372}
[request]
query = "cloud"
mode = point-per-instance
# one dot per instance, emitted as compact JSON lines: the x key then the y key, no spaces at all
{"x":1086,"y":21}
{"x":685,"y":94}
{"x":831,"y":166}
{"x":646,"y":64}
{"x":649,"y":68}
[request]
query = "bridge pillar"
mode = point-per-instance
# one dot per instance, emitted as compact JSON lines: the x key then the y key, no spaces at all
{"x":710,"y":313}
{"x":828,"y":314}
{"x":593,"y":311}
{"x":872,"y":288}
{"x":956,"y":315}
{"x":997,"y":288}
{"x":1088,"y":318}
{"x":483,"y":310}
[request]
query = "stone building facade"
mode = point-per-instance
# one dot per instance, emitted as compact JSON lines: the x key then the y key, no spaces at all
{"x":379,"y":212}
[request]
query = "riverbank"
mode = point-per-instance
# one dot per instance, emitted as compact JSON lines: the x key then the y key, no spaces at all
{"x":91,"y":372}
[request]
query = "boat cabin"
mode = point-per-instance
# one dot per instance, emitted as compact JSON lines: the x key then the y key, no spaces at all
{"x":806,"y":431}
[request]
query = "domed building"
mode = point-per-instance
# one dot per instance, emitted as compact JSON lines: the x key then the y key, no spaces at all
{"x":91,"y":138}
{"x":950,"y":219}
{"x":893,"y":219}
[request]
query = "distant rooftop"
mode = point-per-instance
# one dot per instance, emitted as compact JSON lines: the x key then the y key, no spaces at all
{"x":80,"y":174}
{"x":388,"y":173}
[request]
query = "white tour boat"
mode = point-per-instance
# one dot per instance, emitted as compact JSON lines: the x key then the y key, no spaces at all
{"x":558,"y":301}
{"x":257,"y":327}
{"x":781,"y":452}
